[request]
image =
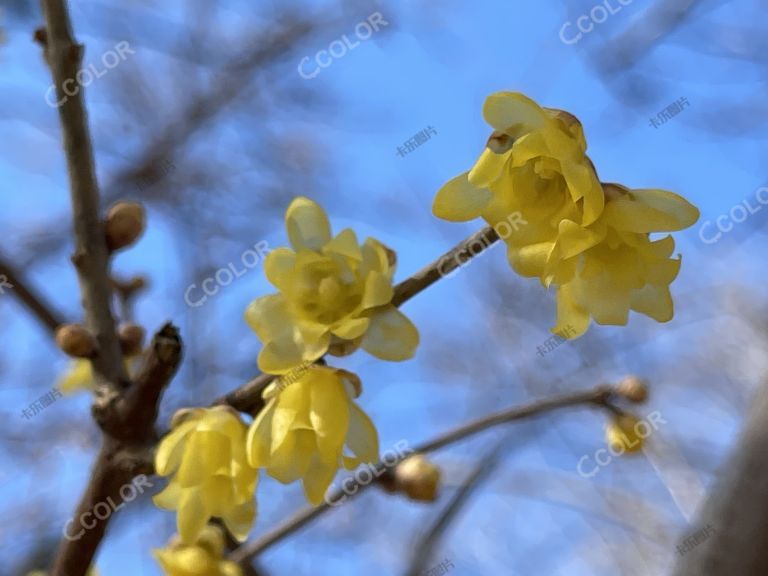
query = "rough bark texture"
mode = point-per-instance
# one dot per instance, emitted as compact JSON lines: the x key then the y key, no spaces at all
{"x":737,"y":508}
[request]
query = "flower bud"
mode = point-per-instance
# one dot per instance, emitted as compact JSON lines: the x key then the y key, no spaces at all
{"x":622,"y":434}
{"x":131,"y":339}
{"x":418,"y":478}
{"x":75,"y":340}
{"x":633,"y":389}
{"x":124,"y":224}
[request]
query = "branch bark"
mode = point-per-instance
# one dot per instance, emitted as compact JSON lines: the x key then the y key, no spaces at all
{"x":43,"y":311}
{"x":124,"y":454}
{"x":91,"y":257}
{"x":737,"y":508}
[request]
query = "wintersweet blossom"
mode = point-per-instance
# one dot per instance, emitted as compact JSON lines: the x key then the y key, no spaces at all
{"x":535,"y":165}
{"x":203,"y":558}
{"x":302,"y":431}
{"x":334,"y":295}
{"x":622,"y":434}
{"x":205,"y":455}
{"x":627,"y":270}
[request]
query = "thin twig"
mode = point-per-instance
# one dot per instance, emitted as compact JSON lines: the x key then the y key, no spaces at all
{"x":91,"y":257}
{"x":599,"y":396}
{"x":43,"y":311}
{"x":425,"y":547}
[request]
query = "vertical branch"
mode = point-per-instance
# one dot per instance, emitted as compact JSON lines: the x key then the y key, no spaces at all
{"x":91,"y":257}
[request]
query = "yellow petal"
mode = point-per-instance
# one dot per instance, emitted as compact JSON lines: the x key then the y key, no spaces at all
{"x":269,"y":316}
{"x":79,"y":376}
{"x":168,"y":499}
{"x":259,"y":440}
{"x":459,"y":201}
{"x":362,"y":438}
{"x":281,"y":355}
{"x":191,"y":517}
{"x":530,"y":260}
{"x":645,"y":211}
{"x":654,"y":301}
{"x":307,"y":224}
{"x":171,"y":449}
{"x":291,"y":460}
{"x":352,"y":328}
{"x":329,"y":414}
{"x":205,"y":453}
{"x":391,"y":335}
{"x":279,"y":265}
{"x":488,"y":168}
{"x":378,"y":291}
{"x":345,"y":244}
{"x":317,"y":480}
{"x":572,"y":319}
{"x":574,"y":239}
{"x":239,"y":519}
{"x":513,"y":113}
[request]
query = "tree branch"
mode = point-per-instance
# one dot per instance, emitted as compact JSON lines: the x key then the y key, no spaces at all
{"x":43,"y":310}
{"x":91,"y":257}
{"x":600,"y":396}
{"x":124,"y":454}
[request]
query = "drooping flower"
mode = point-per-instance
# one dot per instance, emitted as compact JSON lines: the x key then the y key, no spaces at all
{"x":205,"y":455}
{"x":334,"y":295}
{"x":303,"y":430}
{"x":534,"y":167}
{"x":203,"y":558}
{"x":626,"y":270}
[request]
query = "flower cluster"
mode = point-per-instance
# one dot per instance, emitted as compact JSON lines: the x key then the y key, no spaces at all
{"x":334,"y":296}
{"x":205,"y":455}
{"x":588,"y":239}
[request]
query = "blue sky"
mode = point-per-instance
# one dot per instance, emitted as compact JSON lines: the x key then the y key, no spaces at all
{"x":433,"y":66}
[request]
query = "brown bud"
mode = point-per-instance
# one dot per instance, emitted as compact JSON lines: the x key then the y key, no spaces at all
{"x":418,"y":478}
{"x":633,"y":389}
{"x":341,"y":347}
{"x":131,"y":339}
{"x":75,"y":340}
{"x":124,"y":224}
{"x":614,"y":191}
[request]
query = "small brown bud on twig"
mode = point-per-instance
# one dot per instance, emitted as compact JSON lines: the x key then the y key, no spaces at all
{"x":75,"y":340}
{"x":131,"y":339}
{"x":633,"y":389}
{"x":124,"y":224}
{"x":418,"y":478}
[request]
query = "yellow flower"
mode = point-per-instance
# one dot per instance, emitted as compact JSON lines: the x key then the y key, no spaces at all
{"x":626,"y":270}
{"x":534,"y":167}
{"x":622,"y":434}
{"x":334,"y":295}
{"x":203,"y":558}
{"x":80,"y":375}
{"x":302,"y":431}
{"x":205,"y":453}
